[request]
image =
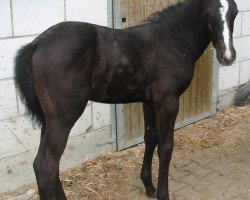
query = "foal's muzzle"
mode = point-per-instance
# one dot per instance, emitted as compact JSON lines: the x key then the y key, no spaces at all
{"x":226,"y":58}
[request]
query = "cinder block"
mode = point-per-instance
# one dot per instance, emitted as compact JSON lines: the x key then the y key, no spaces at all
{"x":85,"y":147}
{"x":9,"y":144}
{"x":228,"y":76}
{"x":243,"y":5}
{"x":226,"y":99}
{"x":237,"y":25}
{"x":25,"y":131}
{"x":246,"y":23}
{"x":5,"y":19}
{"x":242,"y":46}
{"x":8,"y":106}
{"x":33,"y":17}
{"x":8,"y":49}
{"x":245,"y":72}
{"x":17,"y":171}
{"x":84,"y":123}
{"x":101,"y":115}
{"x":94,"y":12}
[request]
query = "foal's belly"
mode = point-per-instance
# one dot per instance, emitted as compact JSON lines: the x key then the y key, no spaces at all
{"x":117,"y":89}
{"x":114,"y":94}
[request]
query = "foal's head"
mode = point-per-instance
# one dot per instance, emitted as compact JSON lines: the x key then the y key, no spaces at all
{"x":220,"y":16}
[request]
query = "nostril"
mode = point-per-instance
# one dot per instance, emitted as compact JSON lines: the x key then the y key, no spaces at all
{"x":233,"y":59}
{"x":226,"y":57}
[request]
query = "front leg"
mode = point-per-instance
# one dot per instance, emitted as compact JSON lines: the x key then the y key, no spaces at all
{"x":166,"y":112}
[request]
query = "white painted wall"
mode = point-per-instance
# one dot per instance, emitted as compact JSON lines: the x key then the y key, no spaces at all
{"x":20,"y":22}
{"x":230,"y":78}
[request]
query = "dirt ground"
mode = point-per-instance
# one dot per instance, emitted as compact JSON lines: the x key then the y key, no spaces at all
{"x":211,"y":161}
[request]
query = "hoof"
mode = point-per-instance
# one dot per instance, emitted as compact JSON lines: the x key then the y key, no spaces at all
{"x":151,"y":193}
{"x":163,"y":198}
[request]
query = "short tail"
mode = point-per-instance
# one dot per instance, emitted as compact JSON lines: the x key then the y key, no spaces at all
{"x":23,"y":81}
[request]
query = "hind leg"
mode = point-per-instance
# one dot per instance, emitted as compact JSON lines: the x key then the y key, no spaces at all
{"x":52,"y":145}
{"x":150,"y":138}
{"x":59,"y":192}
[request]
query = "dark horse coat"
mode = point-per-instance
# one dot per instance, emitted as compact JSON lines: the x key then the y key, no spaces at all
{"x":73,"y":62}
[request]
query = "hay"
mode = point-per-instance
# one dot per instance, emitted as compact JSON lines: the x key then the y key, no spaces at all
{"x":212,"y":132}
{"x":107,"y":176}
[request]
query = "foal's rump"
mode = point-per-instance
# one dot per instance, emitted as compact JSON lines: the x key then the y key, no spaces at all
{"x":58,"y":62}
{"x":66,"y":43}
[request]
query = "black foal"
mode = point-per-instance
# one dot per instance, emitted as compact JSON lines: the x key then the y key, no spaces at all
{"x":73,"y":62}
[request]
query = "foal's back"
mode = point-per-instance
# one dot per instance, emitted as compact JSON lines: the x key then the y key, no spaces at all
{"x":114,"y":66}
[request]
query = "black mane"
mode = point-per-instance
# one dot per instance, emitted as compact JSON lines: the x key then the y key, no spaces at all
{"x":167,"y":12}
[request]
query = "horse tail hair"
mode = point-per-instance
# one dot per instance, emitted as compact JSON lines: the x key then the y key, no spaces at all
{"x":24,"y":84}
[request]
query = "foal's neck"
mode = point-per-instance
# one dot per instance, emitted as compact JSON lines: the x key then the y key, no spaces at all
{"x":189,"y":29}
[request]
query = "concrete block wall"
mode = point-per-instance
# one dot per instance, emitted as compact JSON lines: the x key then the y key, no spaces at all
{"x":20,"y":23}
{"x":230,"y":78}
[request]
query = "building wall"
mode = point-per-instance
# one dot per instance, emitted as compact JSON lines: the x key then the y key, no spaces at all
{"x":230,"y":78}
{"x":21,"y":21}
